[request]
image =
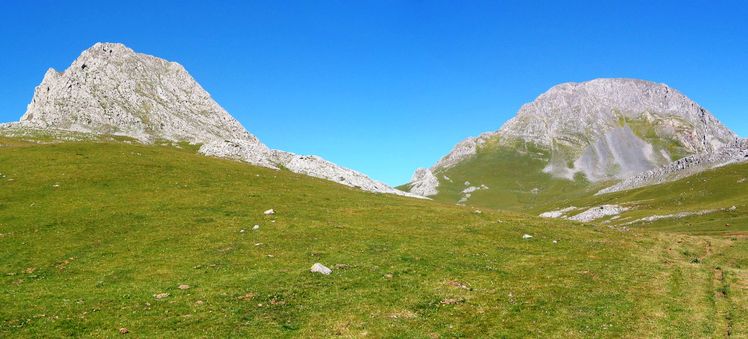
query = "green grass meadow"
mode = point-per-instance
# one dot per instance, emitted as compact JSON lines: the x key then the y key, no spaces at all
{"x":91,"y":232}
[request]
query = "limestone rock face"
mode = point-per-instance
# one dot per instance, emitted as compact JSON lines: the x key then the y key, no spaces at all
{"x":606,"y":129}
{"x":424,"y":183}
{"x":110,"y":89}
{"x":575,"y":113}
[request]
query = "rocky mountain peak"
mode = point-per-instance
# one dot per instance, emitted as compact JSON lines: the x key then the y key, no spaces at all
{"x":606,"y":129}
{"x":111,"y":89}
{"x":569,"y":113}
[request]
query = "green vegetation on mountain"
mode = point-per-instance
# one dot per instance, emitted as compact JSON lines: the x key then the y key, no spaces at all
{"x":91,"y":232}
{"x":720,"y":195}
{"x":515,"y":179}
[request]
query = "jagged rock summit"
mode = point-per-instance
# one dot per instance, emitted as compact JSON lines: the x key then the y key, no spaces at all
{"x":110,"y":89}
{"x":605,"y":129}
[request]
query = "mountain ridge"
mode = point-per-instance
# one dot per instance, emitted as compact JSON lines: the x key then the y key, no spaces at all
{"x":604,"y":129}
{"x":111,"y":89}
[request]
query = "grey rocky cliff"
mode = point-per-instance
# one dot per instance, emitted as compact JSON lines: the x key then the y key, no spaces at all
{"x":424,"y":183}
{"x":110,"y":89}
{"x":587,"y":128}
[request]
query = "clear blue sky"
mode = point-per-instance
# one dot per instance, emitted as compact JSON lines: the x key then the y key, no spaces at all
{"x":385,"y":86}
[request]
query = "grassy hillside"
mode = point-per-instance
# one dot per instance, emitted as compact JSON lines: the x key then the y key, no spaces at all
{"x":713,"y":193}
{"x":514,"y":177}
{"x":91,"y":232}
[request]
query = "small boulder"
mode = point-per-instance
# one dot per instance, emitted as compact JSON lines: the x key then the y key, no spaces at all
{"x":124,"y":330}
{"x":184,"y":287}
{"x":733,"y":208}
{"x":161,"y":296}
{"x":526,"y":236}
{"x":255,"y":227}
{"x":269,"y":212}
{"x":319,"y":268}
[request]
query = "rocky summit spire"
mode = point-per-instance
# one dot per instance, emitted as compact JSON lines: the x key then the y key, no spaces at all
{"x":110,"y":89}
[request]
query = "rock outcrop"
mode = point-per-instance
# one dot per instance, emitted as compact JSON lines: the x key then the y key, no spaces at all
{"x":606,"y":129}
{"x":111,"y":90}
{"x":732,"y":153}
{"x":424,"y":182}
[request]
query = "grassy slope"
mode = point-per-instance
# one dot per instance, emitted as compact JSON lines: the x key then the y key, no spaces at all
{"x":511,"y":177}
{"x":514,"y":173}
{"x":717,"y":189}
{"x":89,"y":232}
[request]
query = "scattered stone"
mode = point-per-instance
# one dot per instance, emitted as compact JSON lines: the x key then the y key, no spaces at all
{"x":242,"y":230}
{"x":124,"y":330}
{"x":741,"y":181}
{"x":319,"y":268}
{"x":269,"y":212}
{"x":457,"y":284}
{"x":406,"y":314}
{"x":388,"y":276}
{"x":342,"y":266}
{"x":467,"y":183}
{"x":184,"y":287}
{"x":526,"y":236}
{"x":478,"y":212}
{"x":452,"y":301}
{"x":199,"y":302}
{"x":555,"y":241}
{"x":733,"y":208}
{"x":247,"y":297}
{"x":255,"y":227}
{"x":161,"y":296}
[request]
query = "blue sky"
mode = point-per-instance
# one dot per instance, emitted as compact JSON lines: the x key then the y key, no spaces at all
{"x":385,"y":86}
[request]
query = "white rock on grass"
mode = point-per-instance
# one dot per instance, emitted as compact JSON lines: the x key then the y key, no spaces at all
{"x":599,"y":212}
{"x":255,"y":227}
{"x":319,"y":268}
{"x":526,"y":236}
{"x":269,"y":212}
{"x":558,"y":213}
